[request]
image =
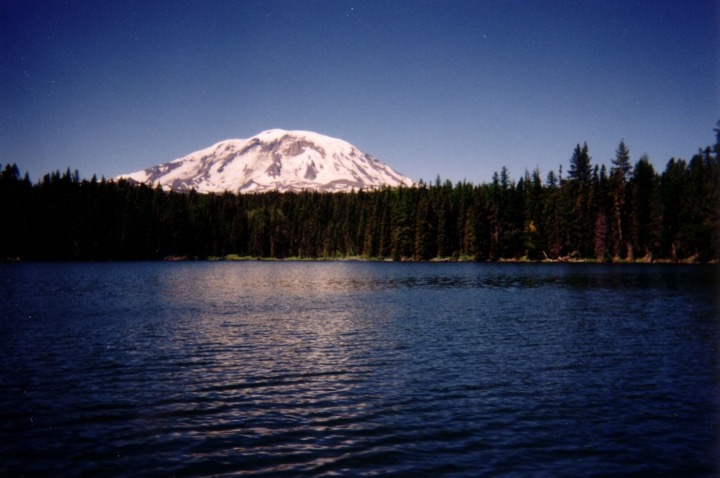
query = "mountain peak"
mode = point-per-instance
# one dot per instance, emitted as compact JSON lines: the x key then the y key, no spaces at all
{"x":273,"y":160}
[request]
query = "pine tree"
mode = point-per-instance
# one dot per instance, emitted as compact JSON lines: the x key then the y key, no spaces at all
{"x":425,"y":224}
{"x":619,"y":177}
{"x":576,"y":204}
{"x":580,"y":167}
{"x":646,"y":215}
{"x":674,"y":213}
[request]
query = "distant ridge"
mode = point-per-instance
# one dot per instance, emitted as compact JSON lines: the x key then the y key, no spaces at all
{"x":274,"y":160}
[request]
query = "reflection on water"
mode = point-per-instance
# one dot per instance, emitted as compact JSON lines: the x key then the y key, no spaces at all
{"x":318,"y":369}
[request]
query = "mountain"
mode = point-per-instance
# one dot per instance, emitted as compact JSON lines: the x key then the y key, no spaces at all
{"x":274,"y":160}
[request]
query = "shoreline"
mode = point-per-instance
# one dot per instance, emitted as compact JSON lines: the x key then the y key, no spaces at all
{"x":232,"y":258}
{"x":522,"y":260}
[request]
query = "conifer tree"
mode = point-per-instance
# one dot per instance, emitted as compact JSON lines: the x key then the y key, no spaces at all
{"x":577,"y":203}
{"x":619,"y":177}
{"x":646,"y":215}
{"x":580,"y":167}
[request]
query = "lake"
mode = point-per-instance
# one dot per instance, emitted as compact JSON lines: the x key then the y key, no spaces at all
{"x":358,"y":368}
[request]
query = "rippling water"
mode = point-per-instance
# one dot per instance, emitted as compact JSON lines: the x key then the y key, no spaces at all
{"x":326,"y":369}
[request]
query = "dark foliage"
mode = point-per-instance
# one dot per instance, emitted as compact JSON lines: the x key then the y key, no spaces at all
{"x":629,"y":214}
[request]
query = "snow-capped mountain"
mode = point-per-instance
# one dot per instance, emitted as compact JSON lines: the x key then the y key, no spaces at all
{"x":274,"y":160}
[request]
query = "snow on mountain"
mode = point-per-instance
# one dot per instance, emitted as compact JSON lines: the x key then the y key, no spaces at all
{"x":274,"y":160}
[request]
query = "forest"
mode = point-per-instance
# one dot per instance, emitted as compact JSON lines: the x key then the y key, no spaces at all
{"x":624,"y":213}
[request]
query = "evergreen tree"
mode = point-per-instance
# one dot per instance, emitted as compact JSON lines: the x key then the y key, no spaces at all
{"x":674,"y":213}
{"x":646,"y":215}
{"x":619,"y":177}
{"x":580,"y":167}
{"x":425,"y":225}
{"x":577,"y":205}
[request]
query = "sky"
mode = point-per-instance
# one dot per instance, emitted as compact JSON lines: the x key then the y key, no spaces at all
{"x":456,"y":89}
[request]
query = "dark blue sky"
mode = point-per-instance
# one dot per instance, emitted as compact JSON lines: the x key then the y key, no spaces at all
{"x":458,"y":88}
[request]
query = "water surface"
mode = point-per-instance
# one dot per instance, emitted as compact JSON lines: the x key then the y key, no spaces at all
{"x":353,"y":369}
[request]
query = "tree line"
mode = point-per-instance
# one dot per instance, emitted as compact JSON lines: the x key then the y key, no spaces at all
{"x":628,"y":212}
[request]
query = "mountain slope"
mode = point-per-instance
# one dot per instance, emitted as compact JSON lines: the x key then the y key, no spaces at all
{"x":274,"y":160}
